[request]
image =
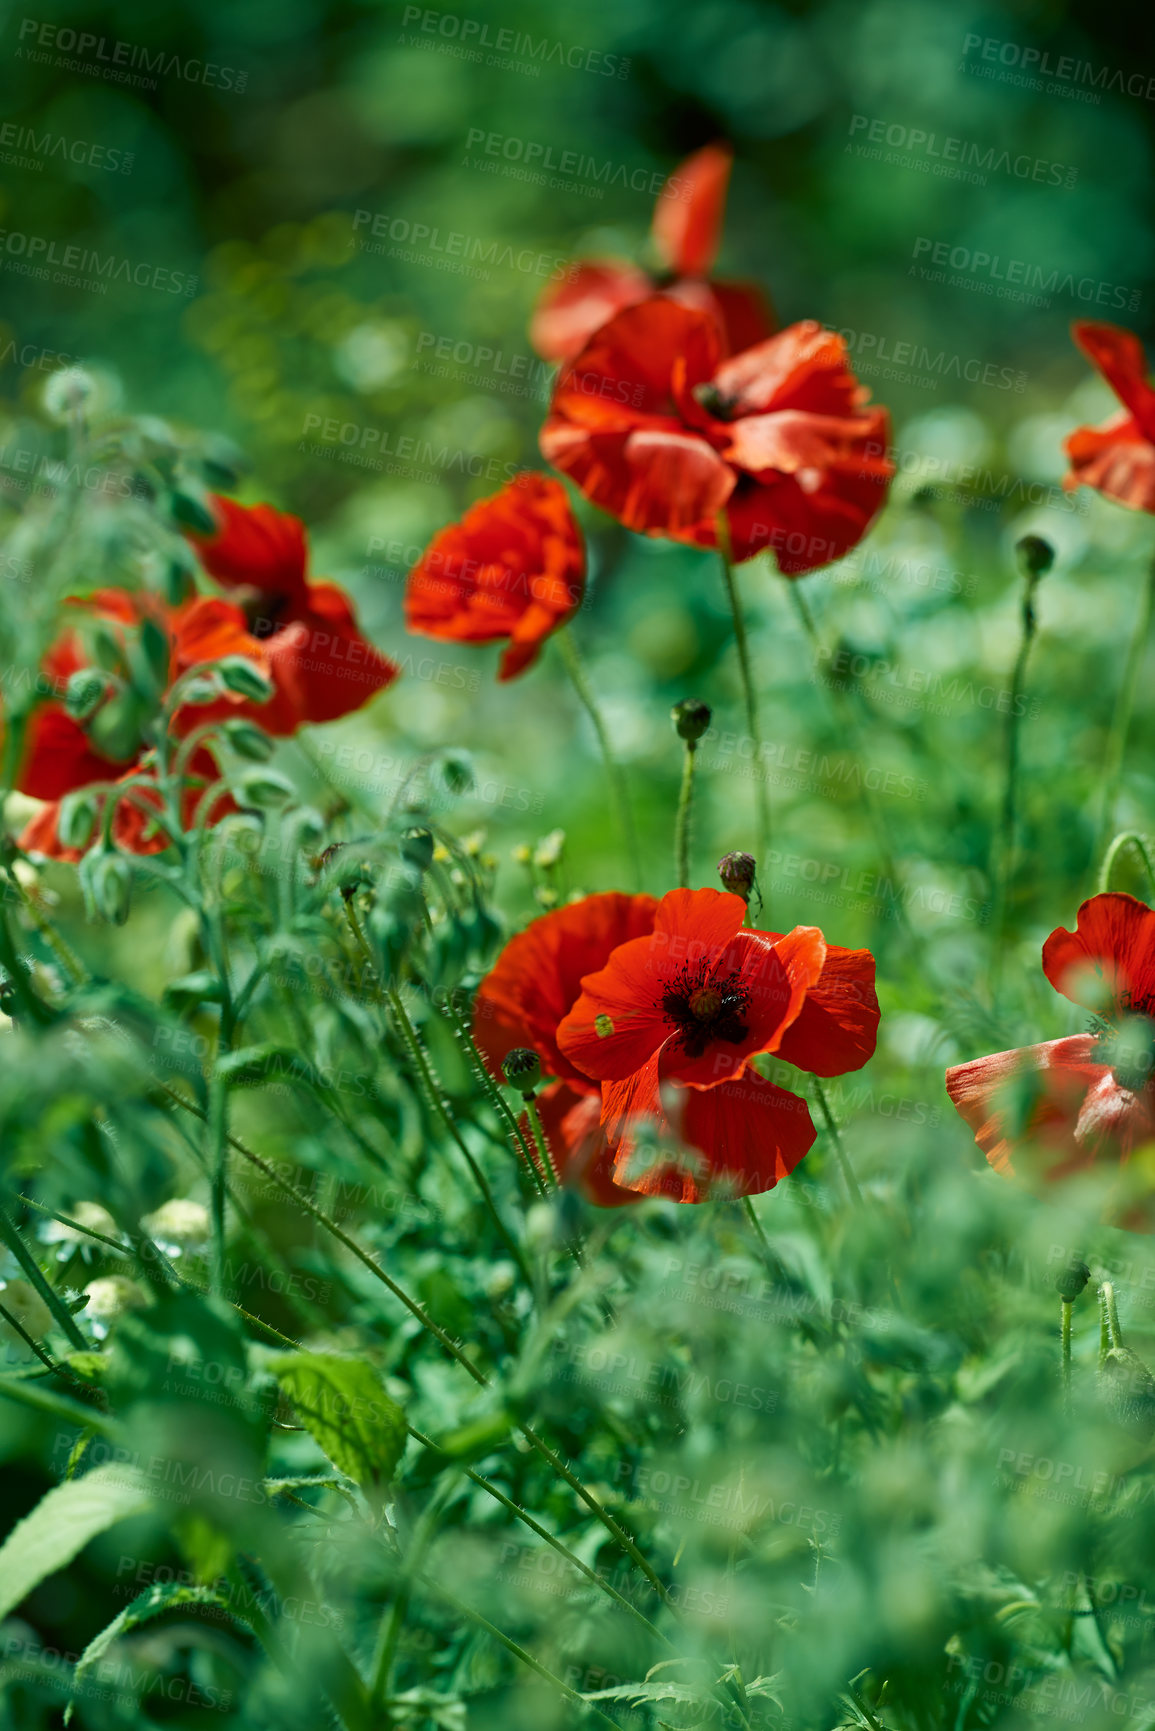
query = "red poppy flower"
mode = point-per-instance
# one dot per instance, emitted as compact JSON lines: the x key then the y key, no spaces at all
{"x":670,"y":1024}
{"x":663,"y":433}
{"x":1118,"y":458}
{"x":536,"y":980}
{"x":61,"y":754}
{"x":686,"y":231}
{"x":1087,"y":1097}
{"x":320,"y":664}
{"x":513,"y":569}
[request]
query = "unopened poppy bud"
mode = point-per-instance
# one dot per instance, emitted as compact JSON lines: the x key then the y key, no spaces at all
{"x":691,"y":718}
{"x":244,"y":678}
{"x":1035,"y":555}
{"x":736,"y":871}
{"x":417,"y":848}
{"x":264,"y":787}
{"x":199,"y":691}
{"x":522,"y":1069}
{"x":77,"y":816}
{"x":112,"y":887}
{"x":86,"y":690}
{"x":1072,"y":1280}
{"x":248,"y":741}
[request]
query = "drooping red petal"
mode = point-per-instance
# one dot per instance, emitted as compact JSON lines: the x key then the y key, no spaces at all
{"x":513,"y":568}
{"x":1117,"y":459}
{"x":687,"y":222}
{"x":1119,"y":356}
{"x":804,"y":367}
{"x":59,"y":757}
{"x":836,"y":1029}
{"x":584,"y":1159}
{"x":258,"y":546}
{"x":579,"y":303}
{"x":656,"y":481}
{"x":748,"y":1134}
{"x":623,"y":379}
{"x":1107,"y":964}
{"x":325,"y":657}
{"x":1033,"y":1094}
{"x":740,"y":310}
{"x":537,"y":977}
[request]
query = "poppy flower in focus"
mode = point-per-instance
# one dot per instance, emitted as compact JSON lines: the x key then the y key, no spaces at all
{"x":535,"y":981}
{"x":670,"y":1024}
{"x":512,"y":569}
{"x":1118,"y":458}
{"x":63,"y":754}
{"x":661,"y":431}
{"x":1088,"y":1097}
{"x":686,"y":232}
{"x":321,"y":666}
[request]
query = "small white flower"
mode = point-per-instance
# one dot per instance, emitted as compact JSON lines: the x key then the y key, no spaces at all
{"x":67,"y":392}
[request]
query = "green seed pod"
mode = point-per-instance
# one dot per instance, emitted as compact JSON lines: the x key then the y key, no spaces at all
{"x":522,"y":1070}
{"x":1072,"y":1280}
{"x":1035,"y":555}
{"x":417,"y":848}
{"x":1128,"y":1391}
{"x":263,"y":789}
{"x":691,"y":718}
{"x":248,"y":741}
{"x":77,"y":816}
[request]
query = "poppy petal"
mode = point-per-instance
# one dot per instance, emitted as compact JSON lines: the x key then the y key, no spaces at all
{"x":581,"y":302}
{"x":255,"y":545}
{"x":1119,"y":356}
{"x":836,"y":1029}
{"x":581,"y":1154}
{"x":1107,"y":964}
{"x":687,"y":222}
{"x":1034,"y":1092}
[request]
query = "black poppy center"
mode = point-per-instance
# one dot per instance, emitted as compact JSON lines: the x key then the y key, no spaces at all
{"x":705,"y":1006}
{"x":262,"y":608}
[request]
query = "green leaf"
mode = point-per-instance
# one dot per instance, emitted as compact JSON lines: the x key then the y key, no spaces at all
{"x":249,"y":1065}
{"x":61,"y":1525}
{"x":161,"y":1596}
{"x":344,"y":1406}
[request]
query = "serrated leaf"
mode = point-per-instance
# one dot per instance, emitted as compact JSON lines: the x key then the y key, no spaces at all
{"x":344,"y":1405}
{"x":161,"y":1596}
{"x":61,"y":1525}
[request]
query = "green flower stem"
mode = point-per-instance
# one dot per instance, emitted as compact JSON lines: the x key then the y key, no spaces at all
{"x":54,"y":939}
{"x":843,"y":1159}
{"x":1006,"y":856}
{"x":494,"y":1095}
{"x":548,"y":1169}
{"x":389,"y":1634}
{"x":741,"y":644}
{"x":64,"y":1318}
{"x":1127,"y":837}
{"x":1124,"y":705}
{"x":619,"y":791}
{"x":845,"y":712}
{"x":58,"y":1406}
{"x":518,"y":1652}
{"x":1110,"y":1334}
{"x":617,"y":1532}
{"x":682,"y":821}
{"x":1065,"y":1350}
{"x":411,"y":1043}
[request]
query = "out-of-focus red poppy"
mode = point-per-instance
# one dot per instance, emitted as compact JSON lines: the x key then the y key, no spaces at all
{"x":61,"y":754}
{"x":512,"y":569}
{"x":535,"y":981}
{"x":670,"y":1024}
{"x":686,"y":232}
{"x":661,"y":431}
{"x":1118,"y":458}
{"x":321,"y":666}
{"x":1068,"y":1104}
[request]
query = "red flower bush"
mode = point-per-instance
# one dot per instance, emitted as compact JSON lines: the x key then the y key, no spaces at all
{"x":1089,"y":1097}
{"x":62,"y":754}
{"x":660,"y":1006}
{"x":686,"y":230}
{"x":1118,"y":458}
{"x":512,"y":569}
{"x":661,"y":431}
{"x":321,"y":666}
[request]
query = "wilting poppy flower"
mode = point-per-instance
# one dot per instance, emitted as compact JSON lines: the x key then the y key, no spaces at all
{"x":62,"y":754}
{"x":661,"y":431}
{"x":1118,"y":458}
{"x":670,"y":1024}
{"x":686,"y":231}
{"x":512,"y":569}
{"x":1088,"y":1097}
{"x":321,"y":665}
